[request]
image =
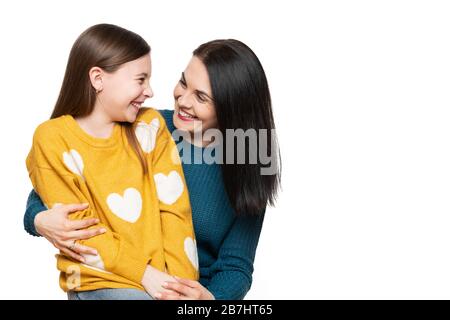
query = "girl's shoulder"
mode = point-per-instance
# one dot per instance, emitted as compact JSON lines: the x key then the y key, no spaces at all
{"x":154,"y":117}
{"x":47,"y":130}
{"x":150,"y":116}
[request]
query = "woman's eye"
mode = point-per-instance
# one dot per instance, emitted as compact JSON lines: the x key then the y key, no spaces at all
{"x":201,"y":99}
{"x":183,"y":84}
{"x":141,"y":80}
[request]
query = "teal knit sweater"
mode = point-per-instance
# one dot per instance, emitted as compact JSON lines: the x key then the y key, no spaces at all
{"x":226,"y":243}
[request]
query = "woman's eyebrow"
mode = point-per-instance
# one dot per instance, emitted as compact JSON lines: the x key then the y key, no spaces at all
{"x":204,"y":93}
{"x":198,"y":91}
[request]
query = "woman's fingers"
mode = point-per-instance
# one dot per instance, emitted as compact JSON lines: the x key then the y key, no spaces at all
{"x":187,"y":282}
{"x":75,"y":250}
{"x":85,"y":234}
{"x":179,"y":288}
{"x":81,"y":249}
{"x":169,"y":296}
{"x":83,"y":224}
{"x":69,"y":208}
{"x":71,"y":253}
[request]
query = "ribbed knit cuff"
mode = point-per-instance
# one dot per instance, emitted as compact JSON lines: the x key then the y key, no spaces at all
{"x":34,"y":206}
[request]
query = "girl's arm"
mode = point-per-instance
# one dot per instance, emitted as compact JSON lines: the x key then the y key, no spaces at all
{"x":176,"y":217}
{"x":56,"y":184}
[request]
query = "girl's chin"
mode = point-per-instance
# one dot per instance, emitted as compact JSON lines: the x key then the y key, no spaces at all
{"x":129,"y":117}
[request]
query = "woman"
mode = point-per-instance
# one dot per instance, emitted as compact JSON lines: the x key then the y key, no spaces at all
{"x":224,"y":87}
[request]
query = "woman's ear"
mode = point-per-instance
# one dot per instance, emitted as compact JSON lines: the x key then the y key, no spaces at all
{"x":96,"y":77}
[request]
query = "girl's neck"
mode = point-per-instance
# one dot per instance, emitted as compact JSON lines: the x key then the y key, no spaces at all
{"x":96,"y":125}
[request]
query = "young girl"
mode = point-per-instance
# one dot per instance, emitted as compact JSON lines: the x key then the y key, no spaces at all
{"x":102,"y":149}
{"x":223,"y":87}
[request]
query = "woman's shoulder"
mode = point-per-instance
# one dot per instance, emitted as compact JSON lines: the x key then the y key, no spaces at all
{"x":168,"y":117}
{"x":167,"y":114}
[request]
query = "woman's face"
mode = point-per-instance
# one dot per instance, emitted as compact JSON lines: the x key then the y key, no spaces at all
{"x":124,"y":90}
{"x":194,"y":105}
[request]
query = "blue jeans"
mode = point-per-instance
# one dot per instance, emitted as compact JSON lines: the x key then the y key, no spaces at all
{"x":109,"y":294}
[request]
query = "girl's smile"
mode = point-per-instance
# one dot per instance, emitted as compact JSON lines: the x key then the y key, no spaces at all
{"x":136,"y":105}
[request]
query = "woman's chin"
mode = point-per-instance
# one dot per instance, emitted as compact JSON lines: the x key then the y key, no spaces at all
{"x":182,"y":125}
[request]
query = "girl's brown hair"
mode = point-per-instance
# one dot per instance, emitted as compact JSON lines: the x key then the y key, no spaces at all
{"x":105,"y":46}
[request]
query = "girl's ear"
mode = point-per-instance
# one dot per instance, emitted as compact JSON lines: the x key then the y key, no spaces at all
{"x":96,"y":77}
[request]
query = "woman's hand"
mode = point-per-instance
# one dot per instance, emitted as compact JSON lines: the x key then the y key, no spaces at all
{"x":184,"y":289}
{"x":54,"y":224}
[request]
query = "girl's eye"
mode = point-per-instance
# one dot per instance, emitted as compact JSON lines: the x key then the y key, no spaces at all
{"x":183,"y":84}
{"x":141,"y":80}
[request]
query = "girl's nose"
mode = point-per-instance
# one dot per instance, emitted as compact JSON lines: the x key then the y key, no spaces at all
{"x":148,"y":92}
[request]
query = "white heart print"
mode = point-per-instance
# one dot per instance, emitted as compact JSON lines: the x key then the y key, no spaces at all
{"x":146,"y":134}
{"x":190,"y":248}
{"x":127,"y":207}
{"x":74,"y":162}
{"x":94,"y":262}
{"x":169,"y":188}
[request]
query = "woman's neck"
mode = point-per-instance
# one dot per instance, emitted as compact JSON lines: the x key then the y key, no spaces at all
{"x":197,"y":139}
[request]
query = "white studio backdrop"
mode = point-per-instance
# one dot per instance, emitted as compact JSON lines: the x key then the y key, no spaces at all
{"x":361,"y":98}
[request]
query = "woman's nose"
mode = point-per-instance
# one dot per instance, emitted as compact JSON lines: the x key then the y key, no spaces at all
{"x":185,"y":101}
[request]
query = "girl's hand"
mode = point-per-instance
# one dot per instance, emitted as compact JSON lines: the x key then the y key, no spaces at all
{"x":55,"y":225}
{"x":153,"y":279}
{"x":184,"y":290}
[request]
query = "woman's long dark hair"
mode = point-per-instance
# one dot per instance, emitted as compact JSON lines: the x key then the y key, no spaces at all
{"x":242,"y":101}
{"x":105,"y":46}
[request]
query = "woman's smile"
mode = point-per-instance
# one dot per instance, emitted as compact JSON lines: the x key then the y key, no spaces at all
{"x":183,"y":115}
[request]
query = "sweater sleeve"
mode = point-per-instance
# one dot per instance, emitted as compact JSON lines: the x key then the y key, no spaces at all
{"x":34,"y":206}
{"x":56,"y":184}
{"x":232,"y":271}
{"x":176,"y":217}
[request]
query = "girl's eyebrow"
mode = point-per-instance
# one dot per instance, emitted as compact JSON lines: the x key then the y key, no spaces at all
{"x":143,"y":74}
{"x":198,"y":91}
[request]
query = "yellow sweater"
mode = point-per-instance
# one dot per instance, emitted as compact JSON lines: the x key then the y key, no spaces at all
{"x":147,"y":218}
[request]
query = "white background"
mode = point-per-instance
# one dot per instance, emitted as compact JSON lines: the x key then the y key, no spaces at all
{"x":362,"y":103}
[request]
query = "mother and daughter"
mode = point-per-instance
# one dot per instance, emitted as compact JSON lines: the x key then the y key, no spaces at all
{"x":150,"y":225}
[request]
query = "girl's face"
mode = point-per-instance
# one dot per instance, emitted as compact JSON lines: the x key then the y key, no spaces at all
{"x":124,"y":90}
{"x":194,"y":105}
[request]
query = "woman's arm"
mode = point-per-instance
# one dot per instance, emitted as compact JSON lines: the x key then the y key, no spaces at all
{"x":55,"y":225}
{"x":232,"y":270}
{"x":234,"y":267}
{"x":34,"y":206}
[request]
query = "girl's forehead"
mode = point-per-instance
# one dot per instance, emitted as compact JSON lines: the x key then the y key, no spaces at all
{"x":140,"y":65}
